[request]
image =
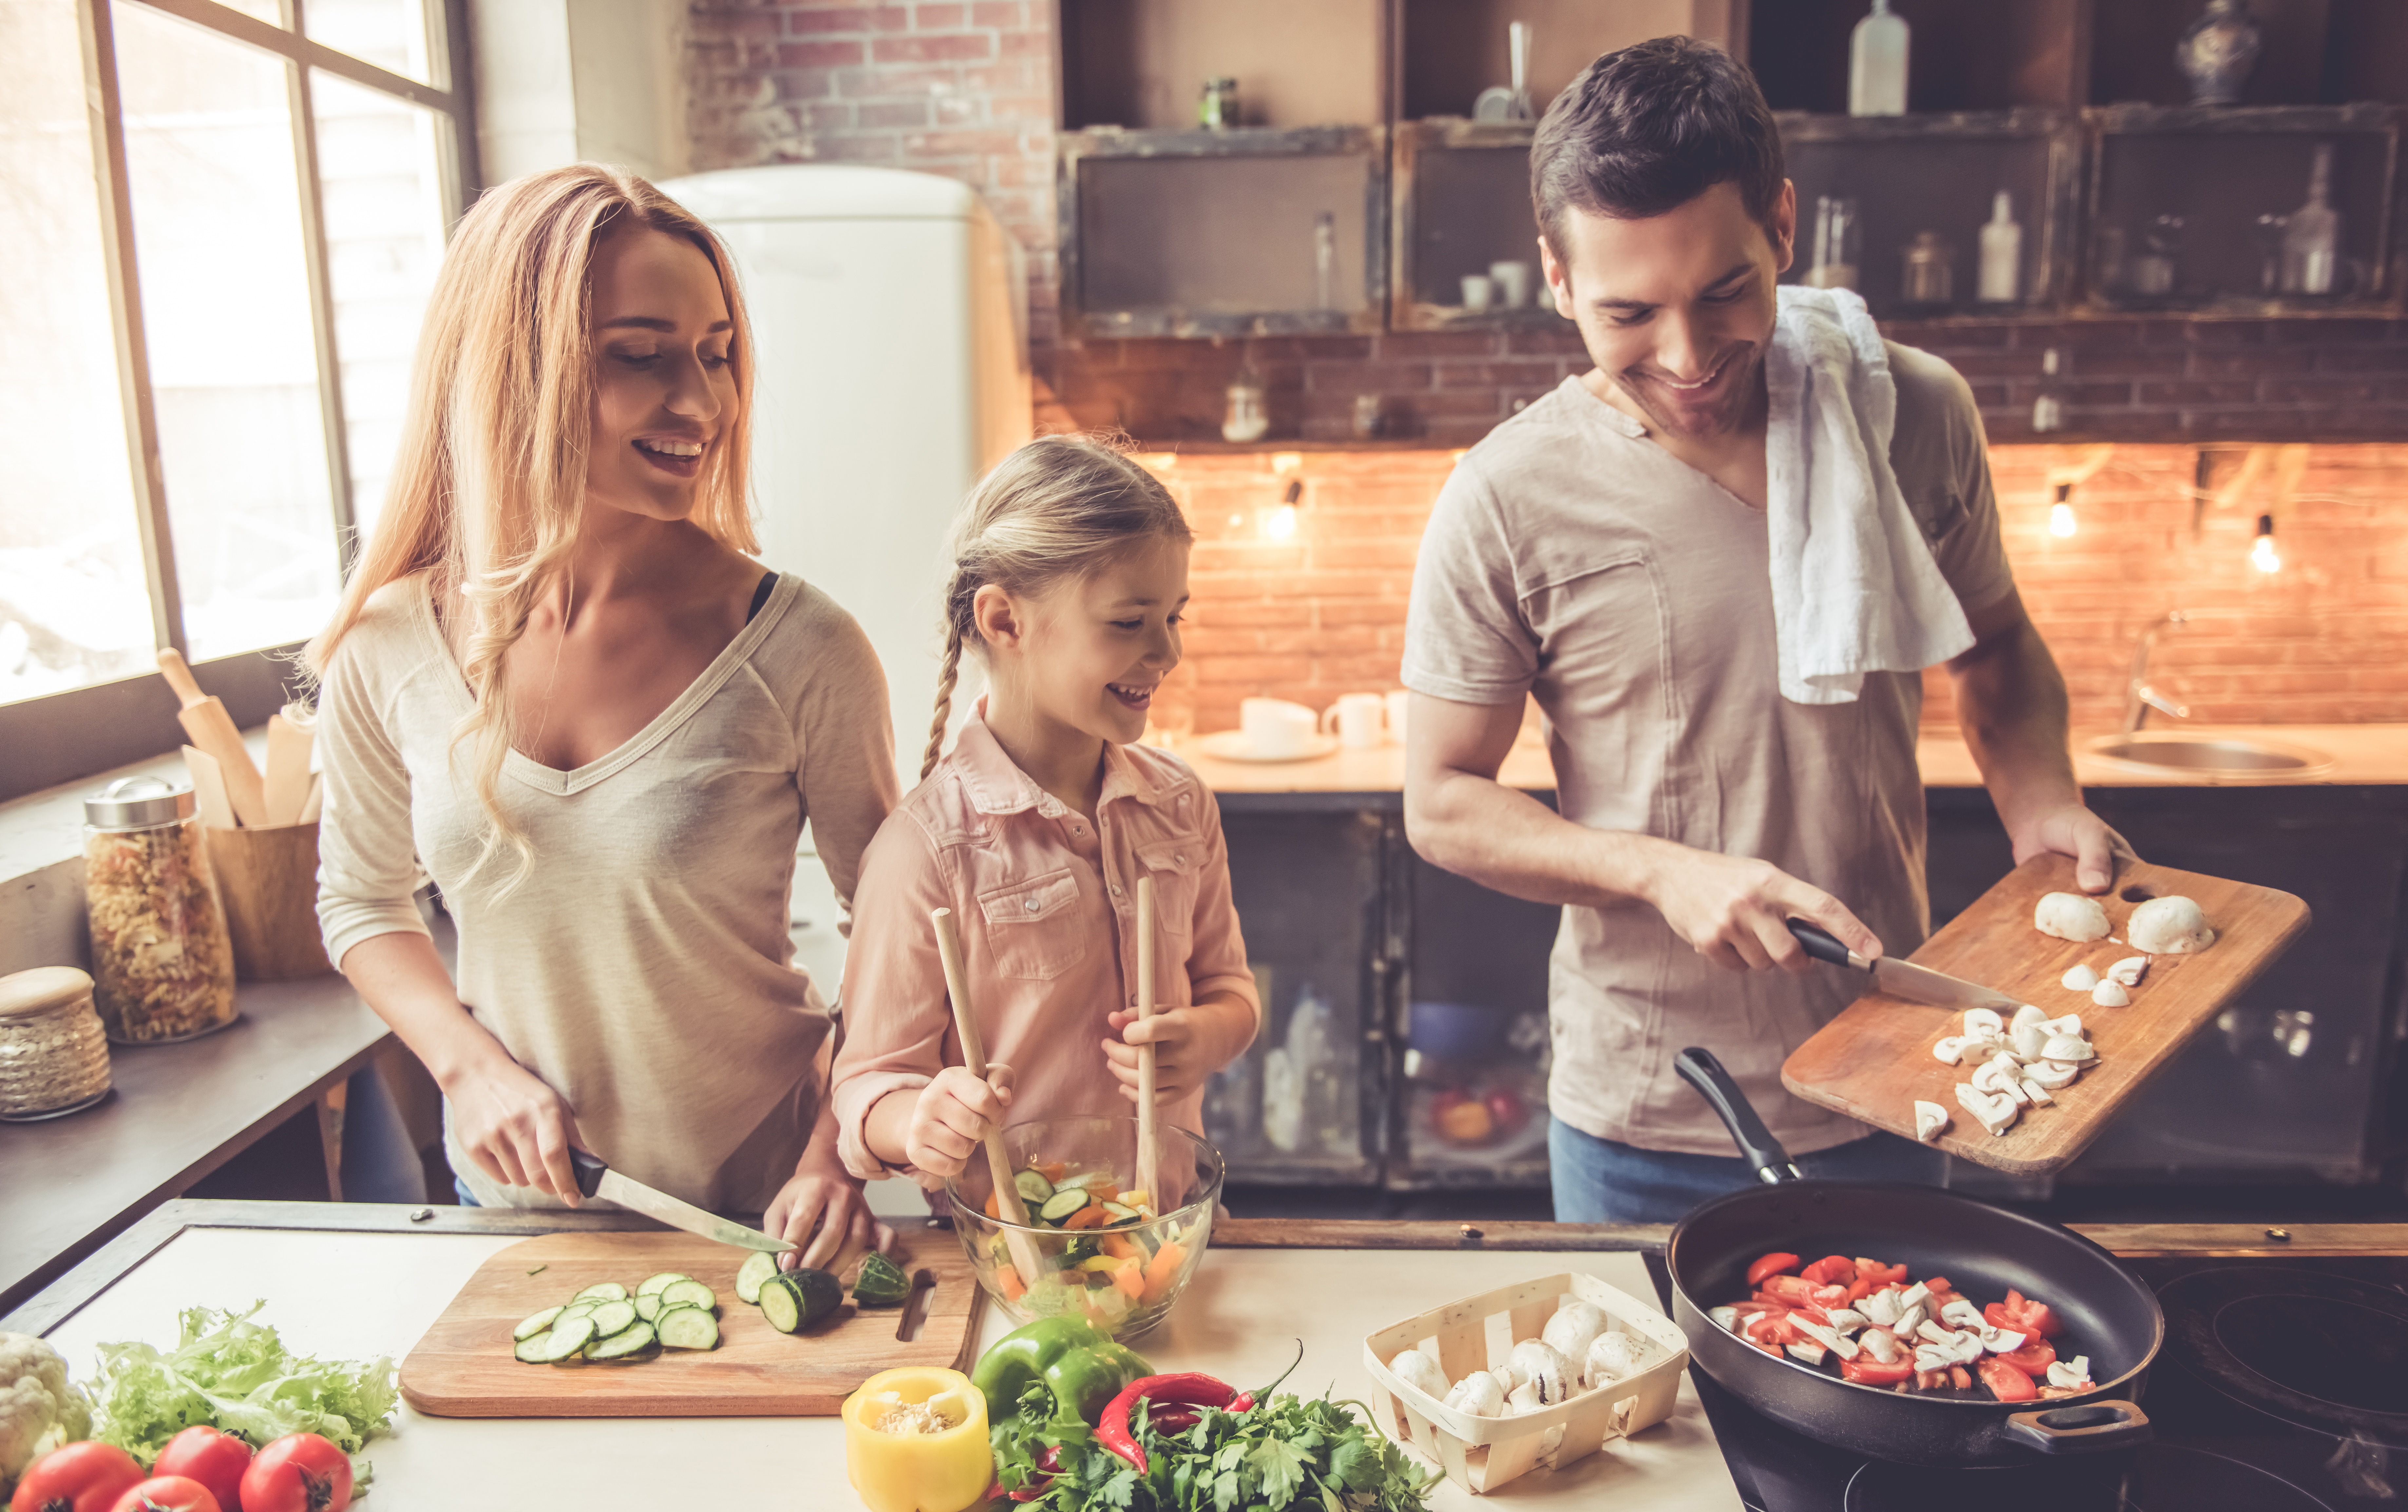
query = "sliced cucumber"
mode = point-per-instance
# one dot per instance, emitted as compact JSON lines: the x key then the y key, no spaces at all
{"x":797,"y":1299}
{"x":1033,"y":1186}
{"x":603,"y":1291}
{"x":649,"y":1307}
{"x":1122,"y":1214}
{"x":613,"y":1317}
{"x":688,"y":1328}
{"x":625,"y":1342}
{"x":535,"y":1350}
{"x":659,"y":1280}
{"x":535,"y":1324}
{"x":566,"y":1338}
{"x":579,"y":1310}
{"x":758,"y":1267}
{"x":1062,"y":1203}
{"x":880,"y":1284}
{"x":649,"y":1353}
{"x":691,"y":1294}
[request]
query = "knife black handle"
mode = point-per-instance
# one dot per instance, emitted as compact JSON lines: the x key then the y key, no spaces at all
{"x":590,"y":1171}
{"x":1825,"y":946}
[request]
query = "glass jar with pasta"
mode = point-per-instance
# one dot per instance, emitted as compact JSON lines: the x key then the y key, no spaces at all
{"x":162,"y":964}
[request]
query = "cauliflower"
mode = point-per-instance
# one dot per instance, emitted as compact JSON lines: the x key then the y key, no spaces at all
{"x":38,"y":1411}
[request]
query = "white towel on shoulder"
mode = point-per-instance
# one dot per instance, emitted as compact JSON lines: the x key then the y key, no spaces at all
{"x":1855,"y":588}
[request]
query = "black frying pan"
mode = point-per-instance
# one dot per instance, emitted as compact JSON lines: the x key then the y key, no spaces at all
{"x":2110,"y":1314}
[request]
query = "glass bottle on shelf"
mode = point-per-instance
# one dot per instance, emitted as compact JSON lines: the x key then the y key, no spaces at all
{"x":1217,"y":110}
{"x":1877,"y":64}
{"x":1247,"y":417}
{"x":1325,"y":261}
{"x":2048,"y":414}
{"x":2002,"y":254}
{"x":1835,"y":243}
{"x":2312,"y":239}
{"x":1929,"y":276}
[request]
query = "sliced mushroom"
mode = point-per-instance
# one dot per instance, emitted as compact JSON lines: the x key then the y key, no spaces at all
{"x":1914,"y":1296}
{"x":2025,"y":1039}
{"x":1424,"y":1374}
{"x":1912,"y":1318}
{"x":1845,"y":1320}
{"x":2051,"y":1076}
{"x":1931,"y":1122}
{"x":1951,"y":1050}
{"x":1613,"y":1356}
{"x":1827,"y":1337}
{"x":1477,"y":1394}
{"x":2129,"y":970}
{"x":1811,"y":1354}
{"x":1962,"y":1313}
{"x":1575,"y":1324}
{"x":2034,"y":1093}
{"x":2070,"y":915}
{"x":1725,"y":1318}
{"x":1542,"y":1365}
{"x":1994,"y":1111}
{"x":2109,"y":994}
{"x":1882,"y":1307}
{"x":2070,"y":1374}
{"x":2080,"y":979}
{"x":1983,"y":1023}
{"x":1882,"y":1345}
{"x":2068,"y":1050}
{"x":2170,"y":926}
{"x":2003,"y":1075}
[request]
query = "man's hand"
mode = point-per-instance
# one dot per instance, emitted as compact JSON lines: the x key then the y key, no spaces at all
{"x":954,"y":1113}
{"x":1189,"y":1045}
{"x":1735,"y":910}
{"x":2073,"y":830}
{"x":823,"y":1210}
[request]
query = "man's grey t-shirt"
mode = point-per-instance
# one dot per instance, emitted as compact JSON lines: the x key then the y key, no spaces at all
{"x":1571,"y":558}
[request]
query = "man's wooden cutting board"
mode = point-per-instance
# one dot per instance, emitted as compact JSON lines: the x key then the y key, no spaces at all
{"x":1874,"y":1061}
{"x":461,"y":1368}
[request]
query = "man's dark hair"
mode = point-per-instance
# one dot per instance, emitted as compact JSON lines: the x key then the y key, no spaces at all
{"x":1650,"y":128}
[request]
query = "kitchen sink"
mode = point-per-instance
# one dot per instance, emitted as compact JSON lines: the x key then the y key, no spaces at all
{"x":2220,"y":755}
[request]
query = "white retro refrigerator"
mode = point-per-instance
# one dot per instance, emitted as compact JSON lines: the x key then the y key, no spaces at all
{"x":891,"y":317}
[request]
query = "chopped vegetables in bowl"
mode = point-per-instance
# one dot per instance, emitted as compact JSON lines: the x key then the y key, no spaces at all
{"x":1099,"y":1243}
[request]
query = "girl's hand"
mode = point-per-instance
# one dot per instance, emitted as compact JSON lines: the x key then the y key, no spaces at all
{"x":517,"y":1129}
{"x":1189,"y":1045}
{"x":954,"y":1113}
{"x":821,"y":1197}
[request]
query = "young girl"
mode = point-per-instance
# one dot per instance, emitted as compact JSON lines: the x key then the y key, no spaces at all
{"x":1070,"y":574}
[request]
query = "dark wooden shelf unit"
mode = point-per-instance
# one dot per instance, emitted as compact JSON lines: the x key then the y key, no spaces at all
{"x":1141,"y":63}
{"x":1461,"y":203}
{"x":1978,"y":55}
{"x":1449,"y":50}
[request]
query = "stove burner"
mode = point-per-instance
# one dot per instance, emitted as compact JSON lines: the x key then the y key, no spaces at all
{"x":2314,"y":1349}
{"x":2157,"y":1478}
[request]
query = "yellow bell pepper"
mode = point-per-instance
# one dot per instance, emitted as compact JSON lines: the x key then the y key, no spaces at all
{"x":948,"y":1469}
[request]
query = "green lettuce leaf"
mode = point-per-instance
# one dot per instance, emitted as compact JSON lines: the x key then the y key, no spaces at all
{"x":238,"y":1376}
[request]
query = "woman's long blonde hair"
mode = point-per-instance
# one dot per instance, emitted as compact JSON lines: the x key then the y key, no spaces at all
{"x":488,"y":493}
{"x":1059,"y":507}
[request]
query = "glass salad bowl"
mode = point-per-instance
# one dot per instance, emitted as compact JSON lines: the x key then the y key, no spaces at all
{"x":1098,"y":1243}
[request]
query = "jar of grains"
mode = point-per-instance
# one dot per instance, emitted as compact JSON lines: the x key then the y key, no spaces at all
{"x":162,"y":961}
{"x":53,"y":1058}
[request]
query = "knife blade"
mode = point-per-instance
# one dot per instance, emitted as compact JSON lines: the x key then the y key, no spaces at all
{"x":1903,"y":978}
{"x":596,"y":1179}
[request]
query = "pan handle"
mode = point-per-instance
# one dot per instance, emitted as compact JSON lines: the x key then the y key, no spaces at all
{"x":2083,"y":1427}
{"x":1700,"y":1069}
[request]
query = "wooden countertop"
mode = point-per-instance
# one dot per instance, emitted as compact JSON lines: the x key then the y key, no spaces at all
{"x":2362,"y":755}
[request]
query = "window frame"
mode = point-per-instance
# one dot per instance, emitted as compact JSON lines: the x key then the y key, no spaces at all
{"x":65,"y":737}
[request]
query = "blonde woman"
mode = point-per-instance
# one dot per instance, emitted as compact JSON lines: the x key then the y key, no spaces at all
{"x":559,"y":680}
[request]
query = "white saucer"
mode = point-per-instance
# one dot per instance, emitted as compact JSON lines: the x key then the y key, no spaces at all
{"x":1230,"y":746}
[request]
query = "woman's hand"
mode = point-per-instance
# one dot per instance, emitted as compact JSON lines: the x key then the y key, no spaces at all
{"x":1189,"y":1045}
{"x":956,"y":1111}
{"x":823,"y":1210}
{"x":517,"y":1130}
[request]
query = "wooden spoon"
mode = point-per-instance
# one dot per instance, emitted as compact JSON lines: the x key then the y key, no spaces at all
{"x":1148,"y":1148}
{"x":999,"y":1162}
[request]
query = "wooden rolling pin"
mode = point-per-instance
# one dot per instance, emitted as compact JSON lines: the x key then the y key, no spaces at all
{"x":212,"y":731}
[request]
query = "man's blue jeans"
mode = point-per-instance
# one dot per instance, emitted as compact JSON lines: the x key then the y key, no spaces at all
{"x":1601,"y":1181}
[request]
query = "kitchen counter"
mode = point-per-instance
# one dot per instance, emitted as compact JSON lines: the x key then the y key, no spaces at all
{"x":2363,"y":755}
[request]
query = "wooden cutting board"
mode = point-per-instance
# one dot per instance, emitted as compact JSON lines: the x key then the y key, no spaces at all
{"x":1874,"y":1061}
{"x":463,"y":1368}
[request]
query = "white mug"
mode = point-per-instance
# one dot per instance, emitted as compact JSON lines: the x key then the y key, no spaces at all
{"x":1355,"y":719}
{"x":1275,"y":727}
{"x":1512,"y":280}
{"x":1397,"y":701}
{"x":1478,"y":291}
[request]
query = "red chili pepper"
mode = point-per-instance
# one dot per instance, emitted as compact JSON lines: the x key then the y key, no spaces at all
{"x":1048,"y":1465}
{"x":1188,"y":1389}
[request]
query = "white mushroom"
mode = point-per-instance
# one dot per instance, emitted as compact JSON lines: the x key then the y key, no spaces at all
{"x":2070,"y":915}
{"x":1569,"y":1330}
{"x":2069,"y":1024}
{"x":1524,"y":1398}
{"x":1422,"y":1373}
{"x":1614,"y":1357}
{"x":1962,"y":1313}
{"x":2080,"y":979}
{"x":1910,"y":1318}
{"x":1882,"y":1345}
{"x":1540,"y":1365}
{"x":1983,"y":1023}
{"x":1951,"y":1050}
{"x":2109,"y":994}
{"x":1477,"y":1394}
{"x":1827,"y":1337}
{"x":1811,"y":1354}
{"x":1994,"y":1111}
{"x":2050,"y":1075}
{"x":2170,"y":926}
{"x":1725,"y":1318}
{"x":2129,"y":970}
{"x":2026,"y":1031}
{"x":2034,"y":1093}
{"x":1882,"y":1307}
{"x":1931,"y":1122}
{"x":2070,"y":1374}
{"x":2068,"y":1050}
{"x":1845,"y":1319}
{"x":1914,"y":1296}
{"x":2002,"y":1073}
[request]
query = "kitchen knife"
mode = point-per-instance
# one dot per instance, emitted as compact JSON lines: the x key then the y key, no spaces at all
{"x":1903,"y":978}
{"x":596,"y":1179}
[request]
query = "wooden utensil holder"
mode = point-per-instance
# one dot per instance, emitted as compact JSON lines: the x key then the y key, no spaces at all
{"x":1477,"y":1333}
{"x":267,"y":878}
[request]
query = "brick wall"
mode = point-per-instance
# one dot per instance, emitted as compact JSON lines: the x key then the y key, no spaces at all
{"x":2323,"y":640}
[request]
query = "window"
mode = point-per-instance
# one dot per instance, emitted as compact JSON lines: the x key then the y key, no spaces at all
{"x":223,"y":222}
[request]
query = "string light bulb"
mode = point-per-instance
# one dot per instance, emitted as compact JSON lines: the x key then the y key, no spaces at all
{"x":2061,"y":523}
{"x":2262,"y":554}
{"x":1280,"y":524}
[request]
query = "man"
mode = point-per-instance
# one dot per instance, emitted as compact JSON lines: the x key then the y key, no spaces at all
{"x":1607,"y":551}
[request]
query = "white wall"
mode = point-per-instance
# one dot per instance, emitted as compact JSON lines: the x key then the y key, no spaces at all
{"x":580,"y":81}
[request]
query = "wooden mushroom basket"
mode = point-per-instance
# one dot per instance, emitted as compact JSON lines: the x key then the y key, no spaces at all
{"x":1478,"y":1332}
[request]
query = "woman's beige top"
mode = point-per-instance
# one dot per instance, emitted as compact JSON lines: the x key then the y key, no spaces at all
{"x":643,"y":967}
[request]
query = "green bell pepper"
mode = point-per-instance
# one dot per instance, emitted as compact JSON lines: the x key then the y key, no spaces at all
{"x":1080,"y":1365}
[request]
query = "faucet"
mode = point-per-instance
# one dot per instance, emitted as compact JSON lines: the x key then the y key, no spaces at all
{"x":2139,"y":697}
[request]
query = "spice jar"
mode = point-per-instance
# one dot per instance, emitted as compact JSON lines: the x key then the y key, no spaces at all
{"x":54,"y":1056}
{"x":162,"y":962}
{"x":1217,"y":110}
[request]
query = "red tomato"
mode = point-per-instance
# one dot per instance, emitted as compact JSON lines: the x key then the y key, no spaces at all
{"x":1830,"y":1296}
{"x":168,"y":1493}
{"x":1831,"y":1270}
{"x":1957,"y":1378}
{"x":2023,"y":1316}
{"x":215,"y":1460}
{"x":2033,"y":1358}
{"x":79,"y":1477}
{"x":1772,"y":1264}
{"x":298,"y":1473}
{"x":1794,"y":1290}
{"x":2005,"y":1382}
{"x":1867,"y":1371}
{"x":1879,"y":1275}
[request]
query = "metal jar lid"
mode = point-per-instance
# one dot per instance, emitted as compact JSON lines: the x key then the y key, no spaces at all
{"x":135,"y":803}
{"x":24,"y":994}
